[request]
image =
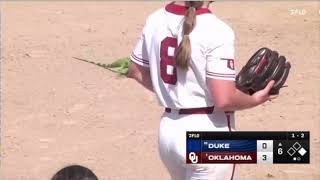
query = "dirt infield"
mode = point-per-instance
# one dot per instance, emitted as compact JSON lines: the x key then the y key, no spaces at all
{"x":56,"y":111}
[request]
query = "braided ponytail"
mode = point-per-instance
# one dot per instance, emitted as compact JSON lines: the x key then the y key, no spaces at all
{"x":183,"y":52}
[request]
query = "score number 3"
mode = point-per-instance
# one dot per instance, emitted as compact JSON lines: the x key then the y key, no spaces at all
{"x":168,"y":70}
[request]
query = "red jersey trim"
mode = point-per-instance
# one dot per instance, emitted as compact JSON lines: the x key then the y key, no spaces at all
{"x":220,"y":75}
{"x":182,"y":10}
{"x":230,"y":130}
{"x":233,"y":169}
{"x":226,"y":59}
{"x":139,"y":63}
{"x":226,"y":74}
{"x":139,"y":59}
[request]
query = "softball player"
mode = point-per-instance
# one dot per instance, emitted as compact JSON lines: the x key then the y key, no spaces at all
{"x":186,"y":56}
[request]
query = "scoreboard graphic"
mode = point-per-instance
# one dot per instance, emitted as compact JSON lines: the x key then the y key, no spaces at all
{"x":248,"y":147}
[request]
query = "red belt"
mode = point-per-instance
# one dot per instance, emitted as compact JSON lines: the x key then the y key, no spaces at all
{"x":202,"y":110}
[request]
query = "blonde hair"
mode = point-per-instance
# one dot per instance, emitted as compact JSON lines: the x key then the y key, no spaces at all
{"x":183,"y":52}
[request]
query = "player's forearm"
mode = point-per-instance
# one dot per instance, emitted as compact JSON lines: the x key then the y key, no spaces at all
{"x":147,"y":83}
{"x":227,"y":97}
{"x":239,"y":101}
{"x":144,"y":80}
{"x":141,"y":75}
{"x":243,"y":101}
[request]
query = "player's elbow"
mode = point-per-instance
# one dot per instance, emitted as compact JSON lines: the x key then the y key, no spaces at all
{"x":224,"y":103}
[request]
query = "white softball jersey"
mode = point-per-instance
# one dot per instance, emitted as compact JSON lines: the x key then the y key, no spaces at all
{"x":212,"y":45}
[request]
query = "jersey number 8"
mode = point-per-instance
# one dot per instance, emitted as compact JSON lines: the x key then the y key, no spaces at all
{"x":168,"y":70}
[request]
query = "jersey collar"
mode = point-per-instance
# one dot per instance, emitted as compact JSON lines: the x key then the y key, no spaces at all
{"x":181,"y":10}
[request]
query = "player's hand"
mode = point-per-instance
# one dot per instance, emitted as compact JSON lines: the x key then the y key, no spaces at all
{"x":263,"y":95}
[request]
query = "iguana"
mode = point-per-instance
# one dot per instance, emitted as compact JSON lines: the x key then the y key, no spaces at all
{"x":119,"y":66}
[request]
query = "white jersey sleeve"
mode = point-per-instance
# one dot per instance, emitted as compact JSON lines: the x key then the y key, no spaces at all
{"x":140,"y":52}
{"x":220,"y":58}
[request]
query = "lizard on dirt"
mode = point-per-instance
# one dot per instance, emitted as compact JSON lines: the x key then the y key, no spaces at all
{"x":119,"y":66}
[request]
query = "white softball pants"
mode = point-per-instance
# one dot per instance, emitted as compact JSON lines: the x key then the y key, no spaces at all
{"x":172,"y":144}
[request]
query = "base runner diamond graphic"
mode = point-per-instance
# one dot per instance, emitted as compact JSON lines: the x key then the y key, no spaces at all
{"x":302,"y":151}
